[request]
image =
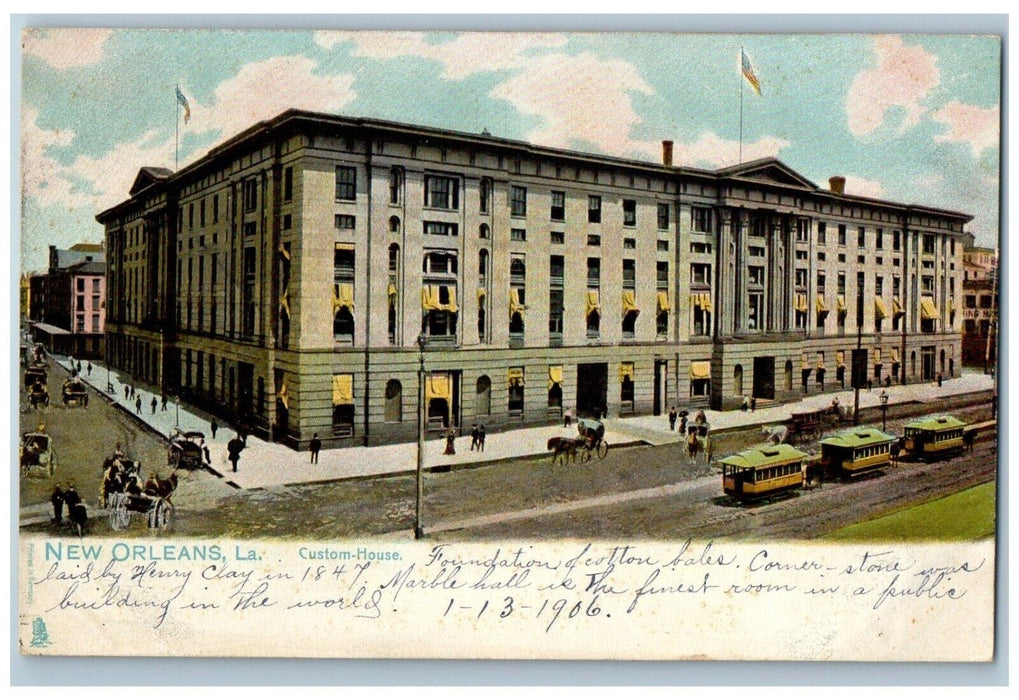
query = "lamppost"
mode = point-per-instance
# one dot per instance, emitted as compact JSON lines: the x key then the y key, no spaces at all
{"x":884,"y":411}
{"x":419,"y":531}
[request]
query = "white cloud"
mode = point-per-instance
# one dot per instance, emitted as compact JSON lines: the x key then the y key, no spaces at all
{"x":710,"y":150}
{"x":42,"y":176}
{"x":976,"y":127}
{"x":862,"y":187}
{"x":65,"y":48}
{"x":903,"y":78}
{"x":262,"y":90}
{"x":465,"y":55}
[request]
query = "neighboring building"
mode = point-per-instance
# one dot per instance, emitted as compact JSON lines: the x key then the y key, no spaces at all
{"x":980,"y":306}
{"x":24,"y":296}
{"x":283,"y":280}
{"x":67,"y":303}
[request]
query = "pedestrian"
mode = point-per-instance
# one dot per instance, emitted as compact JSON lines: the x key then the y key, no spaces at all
{"x":870,"y":384}
{"x":132,"y":391}
{"x":450,"y":439}
{"x":939,"y":379}
{"x":753,"y":404}
{"x":164,"y":404}
{"x":672,"y":418}
{"x":888,"y":380}
{"x":233,"y":449}
{"x":154,"y":403}
{"x":88,"y":367}
{"x":567,"y":417}
{"x":481,"y":437}
{"x":57,"y":499}
{"x":213,"y":427}
{"x":78,"y":367}
{"x":474,"y":436}
{"x":315,"y":445}
{"x":127,"y":391}
{"x":682,"y":425}
{"x":138,"y":405}
{"x":746,"y":403}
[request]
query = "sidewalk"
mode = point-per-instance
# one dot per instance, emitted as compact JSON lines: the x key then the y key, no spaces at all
{"x":265,"y":464}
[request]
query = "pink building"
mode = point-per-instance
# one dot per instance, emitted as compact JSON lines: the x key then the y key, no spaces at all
{"x":67,"y":303}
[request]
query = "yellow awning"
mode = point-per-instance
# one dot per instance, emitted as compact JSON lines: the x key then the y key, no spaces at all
{"x":819,"y":305}
{"x":629,"y":303}
{"x":625,"y":371}
{"x":897,"y":309}
{"x":285,"y":253}
{"x":344,"y":246}
{"x":285,"y":301}
{"x":343,"y":297}
{"x":391,"y":291}
{"x":704,"y":301}
{"x":281,"y":394}
{"x":437,"y":386}
{"x":663,"y":301}
{"x":801,"y":303}
{"x":515,"y":376}
{"x":592,"y":303}
{"x":840,"y":303}
{"x":429,"y":298}
{"x":482,"y":293}
{"x":840,"y":358}
{"x":515,"y":307}
{"x":450,"y":292}
{"x":928,"y":310}
{"x":555,"y":376}
{"x":820,"y":360}
{"x":343,"y":390}
{"x":895,"y":354}
{"x":700,"y":369}
{"x":880,"y":310}
{"x":805,"y":362}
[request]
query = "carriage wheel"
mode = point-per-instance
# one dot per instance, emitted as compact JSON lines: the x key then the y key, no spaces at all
{"x":603,"y":449}
{"x":163,"y":515}
{"x":119,"y":518}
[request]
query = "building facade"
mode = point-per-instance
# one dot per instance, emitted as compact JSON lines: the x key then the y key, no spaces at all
{"x":980,"y":306}
{"x":67,"y":303}
{"x":285,"y":279}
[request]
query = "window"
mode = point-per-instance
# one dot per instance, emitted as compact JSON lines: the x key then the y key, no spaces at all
{"x":822,"y":233}
{"x":593,"y":239}
{"x":629,"y":244}
{"x":842,"y":234}
{"x":80,"y":284}
{"x":518,"y":234}
{"x":394,"y":401}
{"x":842,"y":257}
{"x":861,"y":237}
{"x":440,"y":262}
{"x":215,"y":208}
{"x":663,"y":246}
{"x":518,"y":201}
{"x":820,"y":281}
{"x":842,"y":283}
{"x":861,"y":259}
{"x":201,"y":213}
{"x":95,"y":285}
{"x":250,"y":188}
{"x":801,"y":277}
{"x":439,"y":228}
{"x":558,"y":209}
{"x":344,"y":221}
{"x":879,"y":285}
{"x":821,"y":256}
{"x":191,"y":215}
{"x":700,"y":274}
{"x":594,"y":272}
{"x":700,"y":248}
{"x":594,"y":209}
{"x":756,"y":275}
{"x":484,"y":232}
{"x":95,"y":323}
{"x":927,"y":284}
{"x":896,"y":240}
{"x":557,"y":237}
{"x":971,"y":301}
{"x":394,"y":224}
{"x":700,"y":218}
{"x":879,"y":243}
{"x":756,"y":251}
{"x":663,"y":217}
{"x":79,"y":326}
{"x":395,"y":185}
{"x":802,"y":231}
{"x":516,"y":391}
{"x":928,"y":244}
{"x":555,"y":300}
{"x":629,"y":274}
{"x":755,"y":312}
{"x":484,"y":195}
{"x":629,"y":212}
{"x":248,"y":300}
{"x":346,"y":183}
{"x":80,"y":301}
{"x":288,"y":184}
{"x":802,"y":255}
{"x":442,"y":192}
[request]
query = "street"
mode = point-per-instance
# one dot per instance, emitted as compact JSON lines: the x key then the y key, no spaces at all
{"x":649,"y":491}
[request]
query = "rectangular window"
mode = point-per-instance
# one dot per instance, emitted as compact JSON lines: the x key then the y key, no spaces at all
{"x":594,"y":209}
{"x":700,"y":219}
{"x":756,"y":251}
{"x":439,"y":228}
{"x":629,"y":212}
{"x":95,"y":285}
{"x":80,"y":284}
{"x":518,"y":201}
{"x":861,"y":237}
{"x":215,"y":208}
{"x":518,"y":234}
{"x":663,"y":246}
{"x":756,"y":275}
{"x":928,"y":244}
{"x":345,"y":221}
{"x":822,"y":233}
{"x":287,"y":222}
{"x":191,"y":215}
{"x":201,"y":213}
{"x":79,"y":324}
{"x":700,"y":274}
{"x":842,"y":234}
{"x":95,"y":323}
{"x":346,"y":183}
{"x":250,"y":194}
{"x":663,"y":217}
{"x":802,"y":231}
{"x":820,"y":281}
{"x":801,"y":277}
{"x":927,"y":284}
{"x":629,"y":274}
{"x":558,"y":209}
{"x":80,"y":302}
{"x":755,"y":311}
{"x":896,"y":240}
{"x":879,"y":285}
{"x":821,"y":256}
{"x":442,"y":192}
{"x":557,"y":237}
{"x":700,"y":248}
{"x":879,"y":243}
{"x":842,"y":283}
{"x":593,"y":239}
{"x":802,"y":255}
{"x":288,"y":184}
{"x":629,"y":244}
{"x":594,"y":272}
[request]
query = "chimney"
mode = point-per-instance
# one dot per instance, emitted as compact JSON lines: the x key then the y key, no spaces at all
{"x":837,"y":184}
{"x":667,"y":153}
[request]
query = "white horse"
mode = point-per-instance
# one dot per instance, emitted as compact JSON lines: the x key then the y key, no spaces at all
{"x":775,"y":434}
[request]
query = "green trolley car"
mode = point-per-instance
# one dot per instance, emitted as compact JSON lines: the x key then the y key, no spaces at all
{"x":762,"y":471}
{"x":857,"y":451}
{"x":931,"y":438}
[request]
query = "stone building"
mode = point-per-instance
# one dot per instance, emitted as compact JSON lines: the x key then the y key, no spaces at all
{"x":284,"y":280}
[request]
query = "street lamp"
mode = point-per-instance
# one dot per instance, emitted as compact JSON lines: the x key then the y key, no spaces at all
{"x":884,"y":411}
{"x":419,"y":531}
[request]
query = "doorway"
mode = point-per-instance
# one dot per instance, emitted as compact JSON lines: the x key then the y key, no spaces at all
{"x":764,"y":377}
{"x":592,"y":389}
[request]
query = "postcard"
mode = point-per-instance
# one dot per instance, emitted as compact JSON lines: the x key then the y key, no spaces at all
{"x":508,"y":345}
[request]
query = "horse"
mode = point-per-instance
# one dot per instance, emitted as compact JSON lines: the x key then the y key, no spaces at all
{"x":695,"y":445}
{"x":563,"y":449}
{"x":775,"y":434}
{"x":815,"y":475}
{"x":894,"y":450}
{"x":160,"y":488}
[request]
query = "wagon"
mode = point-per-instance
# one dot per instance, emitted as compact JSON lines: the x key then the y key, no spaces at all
{"x":121,"y":506}
{"x":38,"y":396}
{"x":36,"y":372}
{"x":74,"y":393}
{"x":186,"y":450}
{"x":810,"y":425}
{"x":124,"y":495}
{"x":37,"y":454}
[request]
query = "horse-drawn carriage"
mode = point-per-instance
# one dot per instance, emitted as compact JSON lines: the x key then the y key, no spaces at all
{"x":35,"y":373}
{"x":38,"y":397}
{"x":37,"y":454}
{"x":123,"y":494}
{"x":74,"y":393}
{"x":187,"y":450}
{"x":811,"y":425}
{"x":590,"y":440}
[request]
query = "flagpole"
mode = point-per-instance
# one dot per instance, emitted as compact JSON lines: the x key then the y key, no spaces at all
{"x":740,"y":104}
{"x":176,"y":128}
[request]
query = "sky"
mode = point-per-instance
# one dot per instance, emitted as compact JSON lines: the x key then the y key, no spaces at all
{"x":910,"y":118}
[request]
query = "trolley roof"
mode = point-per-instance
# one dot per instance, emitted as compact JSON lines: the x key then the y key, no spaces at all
{"x":858,"y":437}
{"x":936,"y":423}
{"x":762,"y":457}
